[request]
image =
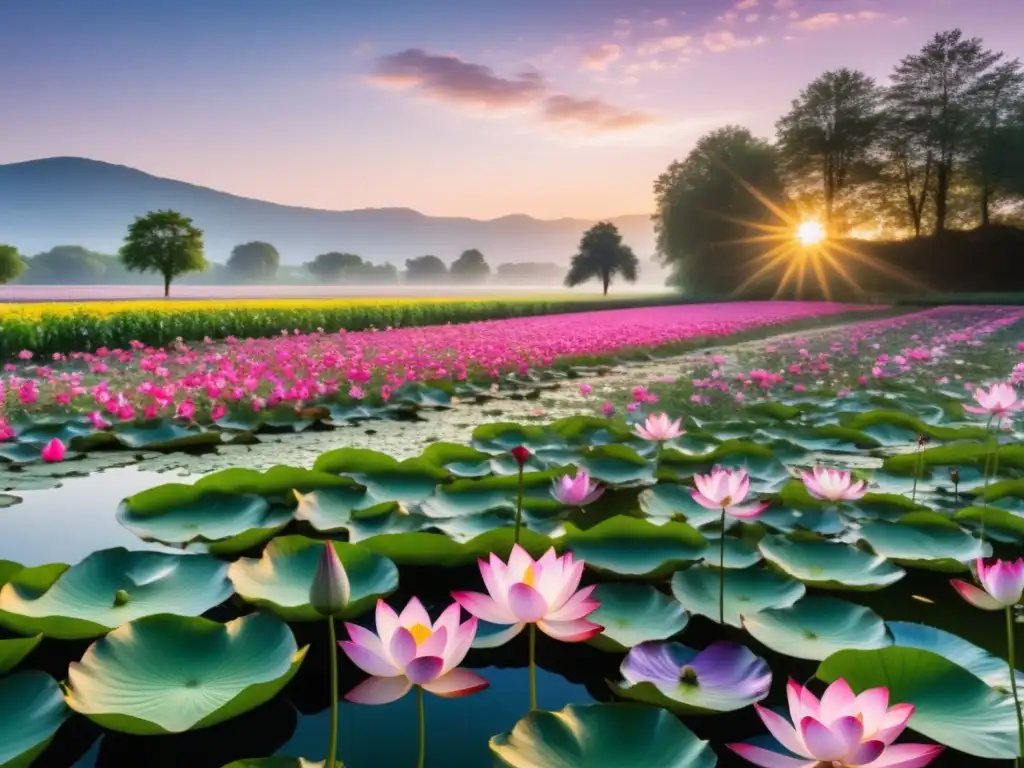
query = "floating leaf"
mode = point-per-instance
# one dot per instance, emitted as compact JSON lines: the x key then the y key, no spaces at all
{"x":924,"y":540}
{"x":747,"y":592}
{"x":977,"y":661}
{"x":829,"y":565}
{"x":631,"y":546}
{"x":32,"y":708}
{"x":634,"y":613}
{"x":816,"y":626}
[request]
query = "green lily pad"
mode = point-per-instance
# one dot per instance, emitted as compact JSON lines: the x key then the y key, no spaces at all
{"x":424,"y":548}
{"x":829,"y":565}
{"x":228,"y":523}
{"x":386,"y":478}
{"x":632,"y":546}
{"x":924,"y":540}
{"x":279,"y":581}
{"x":161,"y":435}
{"x":816,"y":626}
{"x":32,"y":708}
{"x":998,"y":524}
{"x":738,"y":553}
{"x":109,"y":588}
{"x":601,"y":736}
{"x":277,"y":761}
{"x":169,"y":674}
{"x":977,"y":661}
{"x":634,"y":613}
{"x":617,"y":465}
{"x":747,"y":592}
{"x":330,"y":509}
{"x":14,"y":650}
{"x":951,"y":705}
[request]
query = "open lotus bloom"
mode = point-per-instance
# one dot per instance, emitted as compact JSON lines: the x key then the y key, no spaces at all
{"x":842,"y":730}
{"x":725,"y":489}
{"x":542,"y":592}
{"x":1002,"y":585}
{"x":409,"y":650}
{"x":576,"y":491}
{"x":833,"y":484}
{"x":999,"y":400}
{"x":658,"y":428}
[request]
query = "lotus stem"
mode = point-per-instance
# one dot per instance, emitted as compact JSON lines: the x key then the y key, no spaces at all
{"x":533,"y":667}
{"x":918,"y":471}
{"x":1013,"y":683}
{"x":519,"y":507}
{"x":721,"y":573}
{"x":422,"y":761}
{"x":332,"y":746}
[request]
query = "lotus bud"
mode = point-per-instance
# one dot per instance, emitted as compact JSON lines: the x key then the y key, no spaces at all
{"x":954,"y":476}
{"x":921,"y":440}
{"x":54,"y":451}
{"x":120,"y":597}
{"x":520,"y":453}
{"x":330,"y":591}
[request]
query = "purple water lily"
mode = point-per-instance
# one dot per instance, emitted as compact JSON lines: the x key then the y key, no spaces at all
{"x":723,"y":677}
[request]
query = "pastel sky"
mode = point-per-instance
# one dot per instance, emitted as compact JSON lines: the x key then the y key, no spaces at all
{"x":453,"y":107}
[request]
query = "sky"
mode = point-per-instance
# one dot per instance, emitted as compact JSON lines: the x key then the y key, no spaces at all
{"x":551,"y":108}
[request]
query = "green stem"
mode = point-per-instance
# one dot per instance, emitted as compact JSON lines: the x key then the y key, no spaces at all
{"x":1013,"y":681}
{"x":918,"y":471}
{"x":519,"y":507}
{"x":423,"y":727}
{"x":332,"y":747}
{"x":721,"y":573}
{"x":533,"y":667}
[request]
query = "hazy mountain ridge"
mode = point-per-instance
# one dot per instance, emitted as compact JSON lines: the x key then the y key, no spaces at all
{"x":71,"y":200}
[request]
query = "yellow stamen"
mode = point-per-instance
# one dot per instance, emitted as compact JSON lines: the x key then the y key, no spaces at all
{"x":529,"y":577}
{"x":420,"y":633}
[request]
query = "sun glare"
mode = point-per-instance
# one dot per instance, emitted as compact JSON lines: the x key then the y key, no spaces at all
{"x":810,"y":233}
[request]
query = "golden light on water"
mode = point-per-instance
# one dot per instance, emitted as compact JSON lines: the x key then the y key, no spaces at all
{"x":810,"y":233}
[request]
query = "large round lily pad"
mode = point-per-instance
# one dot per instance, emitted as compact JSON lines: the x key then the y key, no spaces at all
{"x":632,"y":546}
{"x":634,"y":613}
{"x":109,"y":588}
{"x":279,"y":581}
{"x":829,"y":565}
{"x":32,"y":708}
{"x":747,"y":591}
{"x":816,"y":626}
{"x":601,"y":736}
{"x":169,"y":674}
{"x":924,"y":540}
{"x":951,"y":705}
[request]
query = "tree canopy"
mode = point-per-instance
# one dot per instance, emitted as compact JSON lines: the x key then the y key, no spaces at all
{"x":471,"y":267}
{"x":425,"y":269}
{"x":602,"y":255}
{"x":11,"y":264}
{"x":255,"y":262}
{"x":165,"y":242}
{"x":332,"y":266}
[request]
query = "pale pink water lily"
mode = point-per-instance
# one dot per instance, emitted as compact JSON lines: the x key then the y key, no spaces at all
{"x":833,"y":484}
{"x":586,"y":389}
{"x":658,"y":428}
{"x":54,"y":451}
{"x":525,"y":591}
{"x":842,"y":730}
{"x":1002,"y":585}
{"x":998,"y":401}
{"x":725,"y":490}
{"x":409,"y":649}
{"x":576,"y":491}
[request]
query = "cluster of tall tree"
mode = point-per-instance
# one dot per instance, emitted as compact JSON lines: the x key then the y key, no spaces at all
{"x":938,"y":147}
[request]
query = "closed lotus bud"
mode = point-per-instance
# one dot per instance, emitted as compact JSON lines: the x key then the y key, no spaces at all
{"x":521,"y":453}
{"x":330,"y":591}
{"x":954,"y":475}
{"x":921,"y":440}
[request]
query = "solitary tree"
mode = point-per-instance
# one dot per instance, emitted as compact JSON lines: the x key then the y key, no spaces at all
{"x":11,"y":264}
{"x":603,"y":255}
{"x":164,"y":242}
{"x":471,"y":267}
{"x":254,"y":261}
{"x":425,"y":269}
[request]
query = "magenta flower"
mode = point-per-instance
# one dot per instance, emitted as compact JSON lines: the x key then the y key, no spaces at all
{"x":842,"y":730}
{"x":1002,"y":585}
{"x":409,"y":650}
{"x":999,"y":401}
{"x":576,"y":491}
{"x":725,"y":490}
{"x":54,"y":451}
{"x":833,"y":485}
{"x":658,"y":428}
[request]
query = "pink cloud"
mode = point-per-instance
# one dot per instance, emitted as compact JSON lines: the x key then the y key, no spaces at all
{"x":658,"y":45}
{"x":783,"y":4}
{"x":745,"y":5}
{"x":593,"y":114}
{"x":832,"y":19}
{"x":726,"y":40}
{"x":601,"y":56}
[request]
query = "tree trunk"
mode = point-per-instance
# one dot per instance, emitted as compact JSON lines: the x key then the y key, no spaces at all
{"x":606,"y":279}
{"x":830,"y":194}
{"x":986,"y":196}
{"x":943,"y":176}
{"x":167,"y":286}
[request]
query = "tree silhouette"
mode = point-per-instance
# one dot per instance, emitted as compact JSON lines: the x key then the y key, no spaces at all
{"x":603,"y":255}
{"x":471,"y":267}
{"x":164,"y":242}
{"x":11,"y":264}
{"x":254,"y":261}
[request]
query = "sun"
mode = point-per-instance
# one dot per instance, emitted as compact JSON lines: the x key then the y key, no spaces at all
{"x":810,"y":233}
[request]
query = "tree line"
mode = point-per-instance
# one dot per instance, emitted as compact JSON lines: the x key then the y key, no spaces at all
{"x":937,"y":149}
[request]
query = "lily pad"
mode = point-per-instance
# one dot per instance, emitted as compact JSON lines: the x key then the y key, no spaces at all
{"x":109,"y":588}
{"x":829,"y":565}
{"x":32,"y":708}
{"x":601,"y":736}
{"x":951,"y":705}
{"x":634,"y":613}
{"x":738,"y":553}
{"x":14,"y":650}
{"x":631,"y":546}
{"x":924,"y":540}
{"x":330,"y":509}
{"x":169,"y":674}
{"x":816,"y":626}
{"x":747,"y":592}
{"x":279,"y":580}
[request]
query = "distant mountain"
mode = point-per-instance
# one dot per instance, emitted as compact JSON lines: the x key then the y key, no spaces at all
{"x":73,"y":200}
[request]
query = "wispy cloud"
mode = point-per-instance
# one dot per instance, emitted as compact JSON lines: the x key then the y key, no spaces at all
{"x":601,"y":56}
{"x":746,"y":5}
{"x":448,"y":78}
{"x":658,"y":45}
{"x":727,"y":40}
{"x":831,"y":19}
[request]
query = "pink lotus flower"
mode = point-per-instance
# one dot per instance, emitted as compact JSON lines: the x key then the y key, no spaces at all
{"x":409,"y":650}
{"x":833,"y":484}
{"x":1002,"y":585}
{"x":586,"y":389}
{"x":608,"y":409}
{"x":999,"y":401}
{"x":842,"y":730}
{"x":725,"y":490}
{"x":525,"y":591}
{"x":54,"y":451}
{"x":658,"y":428}
{"x":576,"y":491}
